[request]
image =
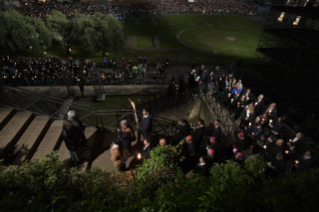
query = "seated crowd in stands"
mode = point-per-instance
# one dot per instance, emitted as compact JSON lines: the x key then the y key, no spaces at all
{"x":121,"y":11}
{"x":47,"y":71}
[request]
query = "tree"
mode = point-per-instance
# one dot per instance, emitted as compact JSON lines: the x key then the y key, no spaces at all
{"x":63,"y":30}
{"x":20,"y":34}
{"x":43,"y":33}
{"x":105,"y":34}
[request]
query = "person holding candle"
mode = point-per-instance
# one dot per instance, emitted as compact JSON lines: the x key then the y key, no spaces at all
{"x":254,"y":134}
{"x":241,"y":104}
{"x":238,"y":145}
{"x":246,"y":117}
{"x":296,"y":141}
{"x":182,"y":132}
{"x":266,"y":144}
{"x":248,"y":96}
{"x":271,"y":111}
{"x":276,"y":126}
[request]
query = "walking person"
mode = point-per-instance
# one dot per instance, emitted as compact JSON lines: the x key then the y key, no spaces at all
{"x":72,"y":141}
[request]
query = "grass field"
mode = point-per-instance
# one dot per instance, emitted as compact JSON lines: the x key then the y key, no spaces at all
{"x":201,"y":32}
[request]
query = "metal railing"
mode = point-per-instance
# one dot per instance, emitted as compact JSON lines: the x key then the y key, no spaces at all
{"x":57,"y":108}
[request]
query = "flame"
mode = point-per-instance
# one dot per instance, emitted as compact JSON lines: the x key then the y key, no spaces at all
{"x":139,"y":156}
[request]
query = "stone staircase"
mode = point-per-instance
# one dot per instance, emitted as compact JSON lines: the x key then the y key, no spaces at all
{"x":24,"y":136}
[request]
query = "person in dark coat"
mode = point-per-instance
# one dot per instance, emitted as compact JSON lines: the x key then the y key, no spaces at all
{"x":304,"y":162}
{"x":190,"y":146}
{"x":182,"y":132}
{"x":211,"y":158}
{"x":126,"y":135}
{"x":171,"y":91}
{"x":214,"y":145}
{"x":201,"y":167}
{"x":240,"y":144}
{"x":146,"y":148}
{"x":72,"y":141}
{"x":182,"y":87}
{"x":277,"y":166}
{"x":272,"y":111}
{"x":199,"y":134}
{"x":81,"y":86}
{"x":274,"y":150}
{"x":267,"y":143}
{"x":147,"y":122}
{"x":216,"y":130}
{"x":259,"y":105}
{"x":78,"y":126}
{"x":238,"y":158}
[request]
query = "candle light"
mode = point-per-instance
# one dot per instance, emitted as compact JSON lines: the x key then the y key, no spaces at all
{"x":265,"y":146}
{"x":270,"y":120}
{"x":229,"y":95}
{"x":231,"y":100}
{"x":255,"y":103}
{"x":252,"y":134}
{"x":139,"y":156}
{"x":296,"y":161}
{"x":286,"y":151}
{"x":249,"y":123}
{"x":290,"y":140}
{"x":248,"y":115}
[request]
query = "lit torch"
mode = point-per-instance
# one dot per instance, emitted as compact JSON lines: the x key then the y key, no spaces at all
{"x":133,"y":105}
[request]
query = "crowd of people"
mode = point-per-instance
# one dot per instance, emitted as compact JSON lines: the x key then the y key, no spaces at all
{"x":203,"y":146}
{"x":54,"y":70}
{"x":124,"y":10}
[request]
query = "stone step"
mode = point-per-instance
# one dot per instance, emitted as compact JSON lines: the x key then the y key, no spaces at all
{"x":90,"y":134}
{"x":30,"y":139}
{"x":51,"y":140}
{"x":5,"y":115}
{"x":13,"y":130}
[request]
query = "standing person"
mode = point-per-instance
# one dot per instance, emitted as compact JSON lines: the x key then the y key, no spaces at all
{"x":143,"y":71}
{"x":259,"y":105}
{"x":119,"y":156}
{"x":81,"y":86}
{"x":146,"y":148}
{"x":145,"y":62}
{"x":199,"y":134}
{"x":126,"y":135}
{"x":140,"y":62}
{"x":172,"y":91}
{"x":78,"y":126}
{"x":181,"y":133}
{"x":216,"y":130}
{"x":201,"y":167}
{"x":146,"y":124}
{"x":72,"y":141}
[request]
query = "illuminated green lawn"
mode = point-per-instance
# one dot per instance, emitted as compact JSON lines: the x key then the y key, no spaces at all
{"x":197,"y":34}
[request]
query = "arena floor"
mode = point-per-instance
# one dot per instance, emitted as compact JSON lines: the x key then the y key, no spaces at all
{"x":185,"y":37}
